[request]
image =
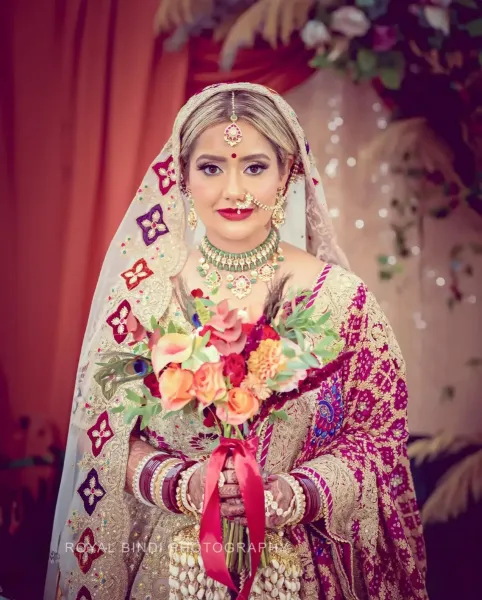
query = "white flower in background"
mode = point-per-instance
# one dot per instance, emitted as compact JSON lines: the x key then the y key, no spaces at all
{"x":351,"y":21}
{"x":315,"y":33}
{"x":438,"y":18}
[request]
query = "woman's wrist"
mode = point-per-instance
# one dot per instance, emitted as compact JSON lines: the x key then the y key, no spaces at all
{"x":314,"y":501}
{"x":298,"y":503}
{"x":145,"y":469}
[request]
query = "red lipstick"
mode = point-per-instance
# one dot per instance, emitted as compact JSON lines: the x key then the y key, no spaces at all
{"x":235,"y":214}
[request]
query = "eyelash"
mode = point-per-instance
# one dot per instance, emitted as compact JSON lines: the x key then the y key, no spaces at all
{"x":260,"y":166}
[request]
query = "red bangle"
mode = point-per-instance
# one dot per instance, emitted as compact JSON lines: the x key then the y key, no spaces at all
{"x":313,"y":500}
{"x":147,"y":474}
{"x":169,"y":486}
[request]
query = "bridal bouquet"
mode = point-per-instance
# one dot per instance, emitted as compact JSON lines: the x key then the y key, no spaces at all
{"x":232,"y":374}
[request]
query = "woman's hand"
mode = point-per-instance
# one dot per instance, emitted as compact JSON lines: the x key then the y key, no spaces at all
{"x":195,"y":486}
{"x":232,"y":504}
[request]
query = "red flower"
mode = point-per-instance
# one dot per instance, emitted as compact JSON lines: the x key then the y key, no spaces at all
{"x":197,"y":293}
{"x":268,"y":333}
{"x":235,"y":368}
{"x":247,"y":328}
{"x":152,"y":384}
{"x":209,"y":418}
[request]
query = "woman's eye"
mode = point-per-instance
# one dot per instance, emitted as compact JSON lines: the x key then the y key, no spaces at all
{"x":255,"y":169}
{"x":211,"y":169}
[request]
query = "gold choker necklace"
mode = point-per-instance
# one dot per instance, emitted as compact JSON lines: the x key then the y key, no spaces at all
{"x":258,"y":264}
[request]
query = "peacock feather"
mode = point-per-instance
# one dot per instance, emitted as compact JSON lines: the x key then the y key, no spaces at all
{"x":121,"y":368}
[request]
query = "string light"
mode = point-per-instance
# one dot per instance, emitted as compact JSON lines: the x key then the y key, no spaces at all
{"x":334,"y":213}
{"x":359,"y":224}
{"x":440,"y":281}
{"x":415,"y":250}
{"x":335,"y":138}
{"x":471,"y":299}
{"x":386,"y":188}
{"x":420,"y":323}
{"x":382,"y":123}
{"x":384,"y":168}
{"x":392,"y":260}
{"x":383,"y":213}
{"x":377,"y":107}
{"x":351,"y":162}
{"x":431,"y":273}
{"x":331,"y":168}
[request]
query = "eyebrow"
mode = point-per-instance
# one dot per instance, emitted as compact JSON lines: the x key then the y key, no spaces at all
{"x":242,"y":158}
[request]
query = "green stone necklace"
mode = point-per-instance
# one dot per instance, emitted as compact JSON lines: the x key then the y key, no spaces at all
{"x":258,"y":264}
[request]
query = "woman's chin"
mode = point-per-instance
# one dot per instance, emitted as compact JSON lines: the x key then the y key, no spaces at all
{"x":239,"y":230}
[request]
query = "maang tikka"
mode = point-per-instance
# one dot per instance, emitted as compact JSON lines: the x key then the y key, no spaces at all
{"x":233,"y":134}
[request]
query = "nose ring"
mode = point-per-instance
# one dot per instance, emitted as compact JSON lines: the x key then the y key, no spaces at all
{"x":248,"y":200}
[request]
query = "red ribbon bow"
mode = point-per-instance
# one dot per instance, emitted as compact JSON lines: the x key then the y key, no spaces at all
{"x":211,"y":534}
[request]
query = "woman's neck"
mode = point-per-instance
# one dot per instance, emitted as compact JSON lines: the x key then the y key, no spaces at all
{"x":237,"y":246}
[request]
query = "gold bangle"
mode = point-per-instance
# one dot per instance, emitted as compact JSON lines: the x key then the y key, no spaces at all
{"x":161,"y":476}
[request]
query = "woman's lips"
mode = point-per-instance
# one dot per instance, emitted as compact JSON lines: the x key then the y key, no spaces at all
{"x":235,"y":214}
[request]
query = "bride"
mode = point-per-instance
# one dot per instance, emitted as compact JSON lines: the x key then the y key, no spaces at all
{"x":237,"y":177}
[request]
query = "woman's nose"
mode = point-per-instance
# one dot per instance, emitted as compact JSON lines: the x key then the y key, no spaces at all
{"x":234,"y":189}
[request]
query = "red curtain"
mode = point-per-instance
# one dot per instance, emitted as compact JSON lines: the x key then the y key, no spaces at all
{"x":90,"y":99}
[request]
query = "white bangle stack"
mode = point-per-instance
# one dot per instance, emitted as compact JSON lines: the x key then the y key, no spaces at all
{"x":299,"y":498}
{"x":184,"y":501}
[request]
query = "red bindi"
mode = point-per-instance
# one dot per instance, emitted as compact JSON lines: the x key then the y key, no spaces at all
{"x":233,"y":155}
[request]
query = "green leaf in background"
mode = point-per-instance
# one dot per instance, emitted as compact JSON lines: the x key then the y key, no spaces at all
{"x":117,"y":409}
{"x":474,"y":28}
{"x":364,"y":3}
{"x":391,"y":78}
{"x":310,"y":360}
{"x":296,"y":364}
{"x":367,"y":60}
{"x":133,"y":397}
{"x":278,"y":414}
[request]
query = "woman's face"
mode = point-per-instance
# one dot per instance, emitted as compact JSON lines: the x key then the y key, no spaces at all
{"x":219,"y":176}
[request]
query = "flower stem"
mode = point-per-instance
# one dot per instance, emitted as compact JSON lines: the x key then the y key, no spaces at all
{"x":240,"y":548}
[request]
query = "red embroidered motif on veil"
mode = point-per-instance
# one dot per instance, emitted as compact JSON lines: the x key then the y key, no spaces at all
{"x":137,"y":273}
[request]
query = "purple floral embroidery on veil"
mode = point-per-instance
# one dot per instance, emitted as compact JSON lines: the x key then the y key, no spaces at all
{"x":91,"y":492}
{"x":152,"y":225}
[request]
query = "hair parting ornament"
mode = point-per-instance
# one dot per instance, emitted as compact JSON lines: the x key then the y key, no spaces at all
{"x":233,"y":134}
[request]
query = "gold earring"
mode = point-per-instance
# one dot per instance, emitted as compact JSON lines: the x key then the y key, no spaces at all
{"x":279,"y":214}
{"x":192,"y":216}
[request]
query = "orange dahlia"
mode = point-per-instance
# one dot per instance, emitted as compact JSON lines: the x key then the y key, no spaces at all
{"x":265,"y":362}
{"x":257,"y":387}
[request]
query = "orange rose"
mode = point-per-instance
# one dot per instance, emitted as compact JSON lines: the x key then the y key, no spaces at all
{"x":241,"y":406}
{"x":175,"y":386}
{"x":208,"y":384}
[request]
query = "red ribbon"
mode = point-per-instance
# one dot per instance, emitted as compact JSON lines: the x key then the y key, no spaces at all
{"x":211,"y":534}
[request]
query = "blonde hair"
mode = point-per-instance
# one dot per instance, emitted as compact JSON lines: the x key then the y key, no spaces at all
{"x":256,"y":109}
